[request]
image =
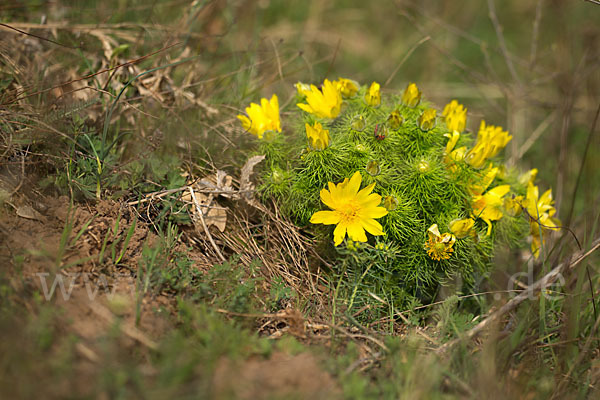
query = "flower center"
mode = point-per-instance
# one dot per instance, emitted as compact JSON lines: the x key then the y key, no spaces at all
{"x":439,"y":248}
{"x":349,"y":212}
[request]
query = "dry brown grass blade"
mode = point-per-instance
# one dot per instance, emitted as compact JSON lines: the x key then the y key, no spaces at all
{"x":131,"y":62}
{"x":39,"y":37}
{"x":206,"y":230}
{"x":538,"y":286}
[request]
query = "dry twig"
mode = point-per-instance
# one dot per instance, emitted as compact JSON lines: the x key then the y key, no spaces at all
{"x":538,"y":286}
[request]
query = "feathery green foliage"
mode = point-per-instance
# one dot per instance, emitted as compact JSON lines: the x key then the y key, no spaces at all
{"x":422,"y":183}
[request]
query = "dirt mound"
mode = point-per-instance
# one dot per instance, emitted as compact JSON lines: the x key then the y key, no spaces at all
{"x":281,"y":376}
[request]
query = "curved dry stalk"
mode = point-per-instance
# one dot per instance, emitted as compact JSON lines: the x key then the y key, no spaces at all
{"x":538,"y":286}
{"x":201,"y":213}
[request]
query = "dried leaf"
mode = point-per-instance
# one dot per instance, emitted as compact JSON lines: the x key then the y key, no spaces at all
{"x":247,"y":170}
{"x":212,"y":212}
{"x":29,"y":213}
{"x":220,"y":182}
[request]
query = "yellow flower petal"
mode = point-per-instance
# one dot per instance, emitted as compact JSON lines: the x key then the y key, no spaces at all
{"x":339,"y":233}
{"x":356,"y":231}
{"x":325,"y":218}
{"x":461,"y":227}
{"x":372,"y":226}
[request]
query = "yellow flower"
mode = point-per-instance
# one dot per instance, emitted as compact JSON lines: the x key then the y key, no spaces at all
{"x":528,"y":176}
{"x":318,"y":138}
{"x":411,"y":96}
{"x":373,"y":96}
{"x":495,"y":138}
{"x":541,"y":216}
{"x":427,"y":120}
{"x":452,"y":140}
{"x":353,"y":212}
{"x":262,"y":118}
{"x":455,"y":116}
{"x":458,"y":154}
{"x":452,"y":155}
{"x":488,"y":206}
{"x":462,"y":227}
{"x":490,"y":140}
{"x":326,"y":103}
{"x":513,"y":205}
{"x":395,"y":120}
{"x":485,"y":179}
{"x":477,"y":155}
{"x":438,"y":246}
{"x":346,"y":87}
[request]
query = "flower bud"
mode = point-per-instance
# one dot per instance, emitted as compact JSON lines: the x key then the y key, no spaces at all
{"x":390,"y":203}
{"x":423,"y":166}
{"x":346,"y":87}
{"x":395,"y":120}
{"x":373,"y":96}
{"x":318,"y":138}
{"x":358,"y":123}
{"x":277,"y":176}
{"x":373,"y":168}
{"x":411,"y":96}
{"x":427,"y":120}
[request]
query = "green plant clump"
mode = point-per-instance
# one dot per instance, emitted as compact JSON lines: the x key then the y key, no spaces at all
{"x":434,"y":199}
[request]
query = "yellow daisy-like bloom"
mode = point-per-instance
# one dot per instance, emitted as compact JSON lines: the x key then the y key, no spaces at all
{"x":326,"y":103}
{"x":373,"y":96}
{"x":411,"y":96}
{"x":490,"y":140}
{"x":353,"y":212}
{"x":426,"y":120}
{"x":346,"y":87}
{"x":262,"y":118}
{"x":455,"y":116}
{"x":318,"y":138}
{"x":438,"y":246}
{"x":488,"y":207}
{"x":462,"y":227}
{"x":541,"y":215}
